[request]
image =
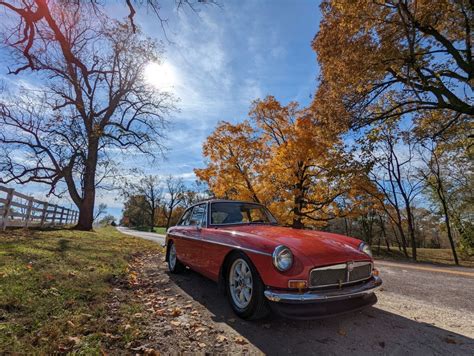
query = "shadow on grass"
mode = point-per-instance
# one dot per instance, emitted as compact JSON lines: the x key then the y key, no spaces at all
{"x":371,"y":330}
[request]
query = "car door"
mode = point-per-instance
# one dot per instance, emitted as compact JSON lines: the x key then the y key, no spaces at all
{"x":194,"y":233}
{"x":179,"y":233}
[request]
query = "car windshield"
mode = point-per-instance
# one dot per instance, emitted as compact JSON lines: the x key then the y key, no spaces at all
{"x":240,"y":213}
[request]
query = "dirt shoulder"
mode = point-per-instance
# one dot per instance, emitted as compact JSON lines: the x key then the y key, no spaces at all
{"x":187,"y":313}
{"x":172,"y":321}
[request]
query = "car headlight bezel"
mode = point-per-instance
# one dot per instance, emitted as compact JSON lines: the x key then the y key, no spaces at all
{"x":365,"y":248}
{"x":282,"y":258}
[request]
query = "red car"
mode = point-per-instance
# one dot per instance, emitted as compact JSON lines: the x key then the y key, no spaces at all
{"x":297,"y":273}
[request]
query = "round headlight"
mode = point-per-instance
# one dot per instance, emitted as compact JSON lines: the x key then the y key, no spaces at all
{"x":365,"y":248}
{"x":282,"y":258}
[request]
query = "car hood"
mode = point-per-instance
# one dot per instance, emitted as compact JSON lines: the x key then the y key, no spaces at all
{"x":317,"y":247}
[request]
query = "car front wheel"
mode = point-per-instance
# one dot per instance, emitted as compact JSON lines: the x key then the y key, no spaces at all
{"x":245,"y":288}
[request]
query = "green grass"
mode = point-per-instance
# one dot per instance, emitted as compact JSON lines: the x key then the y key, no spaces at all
{"x":158,"y":230}
{"x":442,"y":256}
{"x":54,"y":285}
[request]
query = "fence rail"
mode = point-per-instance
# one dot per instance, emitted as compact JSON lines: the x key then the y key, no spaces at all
{"x":17,"y":209}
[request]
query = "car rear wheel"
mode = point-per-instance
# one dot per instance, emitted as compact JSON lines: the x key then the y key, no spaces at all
{"x":174,"y":265}
{"x":245,"y":288}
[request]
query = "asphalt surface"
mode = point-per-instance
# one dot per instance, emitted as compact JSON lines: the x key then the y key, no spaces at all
{"x":444,"y":286}
{"x":144,"y":235}
{"x":422,"y":309}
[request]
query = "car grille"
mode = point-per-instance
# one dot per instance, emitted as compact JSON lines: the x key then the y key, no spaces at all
{"x":340,"y":274}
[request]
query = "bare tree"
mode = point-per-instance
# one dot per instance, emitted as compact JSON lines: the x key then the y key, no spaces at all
{"x":198,"y":192}
{"x":434,"y":176}
{"x":390,"y":152}
{"x":151,"y":191}
{"x":175,"y":196}
{"x":93,"y":98}
{"x":101,"y":210}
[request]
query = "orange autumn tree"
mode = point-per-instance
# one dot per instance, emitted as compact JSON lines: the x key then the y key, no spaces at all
{"x":234,"y":153}
{"x":383,"y":59}
{"x":284,"y":158}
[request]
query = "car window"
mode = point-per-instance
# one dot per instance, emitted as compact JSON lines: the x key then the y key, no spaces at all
{"x":240,"y":213}
{"x":198,"y":217}
{"x":186,"y":217}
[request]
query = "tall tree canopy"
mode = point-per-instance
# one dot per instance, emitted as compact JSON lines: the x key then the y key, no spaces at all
{"x":383,"y":59}
{"x":283,"y":158}
{"x":92,"y":98}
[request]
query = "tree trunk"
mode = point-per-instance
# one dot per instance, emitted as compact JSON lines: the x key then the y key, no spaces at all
{"x":86,"y":206}
{"x":447,"y":222}
{"x":298,"y":207}
{"x":396,"y":238}
{"x":152,"y":218}
{"x":86,"y":212}
{"x":402,"y":233}
{"x":411,"y":231}
{"x":346,"y":226}
{"x":384,"y":233}
{"x":168,"y":219}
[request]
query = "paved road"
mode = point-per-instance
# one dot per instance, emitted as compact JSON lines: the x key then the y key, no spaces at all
{"x":145,"y":235}
{"x":422,"y":309}
{"x":444,"y":286}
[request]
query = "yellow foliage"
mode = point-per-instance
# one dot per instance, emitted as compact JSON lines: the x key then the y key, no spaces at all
{"x":286,"y":159}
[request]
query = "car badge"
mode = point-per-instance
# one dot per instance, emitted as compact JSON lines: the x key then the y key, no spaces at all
{"x":350,"y":266}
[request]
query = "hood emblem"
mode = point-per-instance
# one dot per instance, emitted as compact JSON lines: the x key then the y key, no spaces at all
{"x":350,"y":266}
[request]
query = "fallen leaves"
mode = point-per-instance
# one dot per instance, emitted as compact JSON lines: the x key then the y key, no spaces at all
{"x":166,"y":313}
{"x":221,"y":338}
{"x":176,"y":312}
{"x":75,"y":340}
{"x":160,"y":312}
{"x":240,"y":340}
{"x":342,"y":332}
{"x":175,"y":322}
{"x":449,"y":340}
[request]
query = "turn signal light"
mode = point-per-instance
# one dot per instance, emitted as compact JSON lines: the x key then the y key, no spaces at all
{"x":297,"y":284}
{"x":375,"y":272}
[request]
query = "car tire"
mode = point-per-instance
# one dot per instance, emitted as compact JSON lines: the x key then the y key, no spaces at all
{"x":174,"y":265}
{"x":247,"y":304}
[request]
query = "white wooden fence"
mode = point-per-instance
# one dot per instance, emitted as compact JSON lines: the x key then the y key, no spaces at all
{"x":18,"y":209}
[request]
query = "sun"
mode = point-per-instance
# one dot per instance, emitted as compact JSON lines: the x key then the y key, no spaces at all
{"x":162,"y":76}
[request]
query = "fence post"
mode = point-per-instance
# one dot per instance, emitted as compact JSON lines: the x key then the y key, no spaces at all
{"x":67,"y":216}
{"x":44,"y":213}
{"x":53,"y":220}
{"x":7,"y":208}
{"x":28,"y":211}
{"x":61,"y":216}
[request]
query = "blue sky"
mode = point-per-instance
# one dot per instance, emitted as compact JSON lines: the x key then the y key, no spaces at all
{"x":216,"y":62}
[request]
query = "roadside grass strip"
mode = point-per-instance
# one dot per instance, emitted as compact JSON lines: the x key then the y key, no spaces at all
{"x":55,"y":288}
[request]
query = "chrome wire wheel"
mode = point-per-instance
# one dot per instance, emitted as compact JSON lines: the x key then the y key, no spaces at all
{"x":240,"y":283}
{"x":172,"y":257}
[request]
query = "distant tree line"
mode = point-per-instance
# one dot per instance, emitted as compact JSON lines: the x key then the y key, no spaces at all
{"x":153,"y":201}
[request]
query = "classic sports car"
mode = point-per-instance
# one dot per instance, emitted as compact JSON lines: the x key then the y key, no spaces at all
{"x":297,"y":273}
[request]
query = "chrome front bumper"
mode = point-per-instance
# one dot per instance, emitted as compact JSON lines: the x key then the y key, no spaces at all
{"x":313,"y":296}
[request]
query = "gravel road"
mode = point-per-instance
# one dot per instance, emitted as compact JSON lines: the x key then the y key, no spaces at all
{"x":422,"y":309}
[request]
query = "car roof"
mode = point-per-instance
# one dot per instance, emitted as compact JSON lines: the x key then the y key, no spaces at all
{"x":215,"y":200}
